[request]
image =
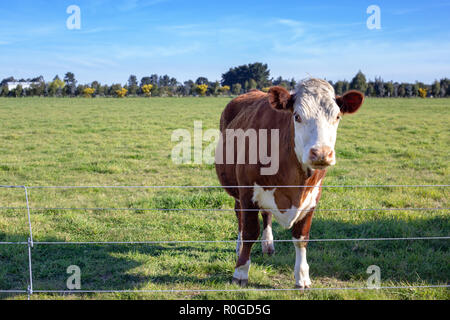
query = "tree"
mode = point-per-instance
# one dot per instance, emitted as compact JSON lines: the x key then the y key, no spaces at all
{"x":214,"y":88}
{"x":252,"y":84}
{"x":201,"y":80}
{"x":132,"y":85}
{"x":71,"y":83}
{"x":80,"y":90}
{"x":416,"y":88}
{"x":339,"y":87}
{"x":389,"y":87}
{"x":18,"y":91}
{"x":359,"y":82}
{"x":4,"y":90}
{"x":164,"y":81}
{"x":56,"y":86}
{"x":237,"y":88}
{"x":401,"y":92}
{"x":370,"y":91}
{"x":188,"y":87}
{"x":409,"y":90}
{"x":37,"y":88}
{"x":436,"y":88}
{"x":146,"y":80}
{"x":257,"y":71}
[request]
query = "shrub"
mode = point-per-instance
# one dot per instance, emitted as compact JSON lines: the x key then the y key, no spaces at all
{"x":88,"y":92}
{"x":121,"y":93}
{"x":201,"y":89}
{"x":422,"y":92}
{"x":146,"y":89}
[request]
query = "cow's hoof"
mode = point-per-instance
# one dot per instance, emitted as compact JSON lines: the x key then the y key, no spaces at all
{"x":268,"y":249}
{"x":241,"y":282}
{"x":302,"y":287}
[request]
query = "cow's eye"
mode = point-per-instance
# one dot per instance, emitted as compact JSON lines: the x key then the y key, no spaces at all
{"x":338,"y":118}
{"x":297,"y":118}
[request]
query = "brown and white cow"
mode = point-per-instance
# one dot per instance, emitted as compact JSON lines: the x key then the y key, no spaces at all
{"x":307,"y":121}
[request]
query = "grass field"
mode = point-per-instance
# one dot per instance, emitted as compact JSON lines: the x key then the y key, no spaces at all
{"x":128,"y":142}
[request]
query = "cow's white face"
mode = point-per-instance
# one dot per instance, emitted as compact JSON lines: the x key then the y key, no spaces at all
{"x":316,"y":112}
{"x":316,"y":117}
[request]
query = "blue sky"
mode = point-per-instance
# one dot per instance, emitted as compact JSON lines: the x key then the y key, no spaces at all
{"x":187,"y":39}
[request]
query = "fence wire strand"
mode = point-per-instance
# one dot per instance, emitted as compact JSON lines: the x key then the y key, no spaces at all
{"x":225,"y":210}
{"x":233,"y":187}
{"x":31,"y":243}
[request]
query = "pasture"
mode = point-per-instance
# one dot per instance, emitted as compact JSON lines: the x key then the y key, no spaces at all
{"x":62,"y":141}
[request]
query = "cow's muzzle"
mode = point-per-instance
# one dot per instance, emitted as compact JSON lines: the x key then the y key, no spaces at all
{"x":320,"y":158}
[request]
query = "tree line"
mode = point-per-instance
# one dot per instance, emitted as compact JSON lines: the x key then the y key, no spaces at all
{"x":235,"y":81}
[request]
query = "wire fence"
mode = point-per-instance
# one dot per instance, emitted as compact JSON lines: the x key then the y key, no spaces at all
{"x":30,"y":243}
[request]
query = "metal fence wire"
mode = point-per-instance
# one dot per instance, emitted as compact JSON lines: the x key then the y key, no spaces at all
{"x":30,"y":243}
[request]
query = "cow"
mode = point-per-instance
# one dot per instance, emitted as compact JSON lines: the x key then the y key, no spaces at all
{"x":306,"y":120}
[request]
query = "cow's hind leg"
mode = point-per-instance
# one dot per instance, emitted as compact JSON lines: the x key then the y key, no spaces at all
{"x":237,"y":209}
{"x":267,"y":236}
{"x":249,"y":223}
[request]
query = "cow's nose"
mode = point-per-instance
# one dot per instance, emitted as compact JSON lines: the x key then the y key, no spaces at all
{"x":321,"y":156}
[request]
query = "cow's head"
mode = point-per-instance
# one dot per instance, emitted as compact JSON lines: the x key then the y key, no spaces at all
{"x":316,"y":113}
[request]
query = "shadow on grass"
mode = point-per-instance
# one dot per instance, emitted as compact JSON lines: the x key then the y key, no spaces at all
{"x":128,"y":267}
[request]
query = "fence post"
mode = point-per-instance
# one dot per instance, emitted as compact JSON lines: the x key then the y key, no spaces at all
{"x":30,"y":245}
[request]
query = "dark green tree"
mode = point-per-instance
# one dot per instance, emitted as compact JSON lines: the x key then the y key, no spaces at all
{"x":132,"y":85}
{"x":436,"y":89}
{"x":359,"y":82}
{"x":236,"y":88}
{"x":71,"y":84}
{"x":256,"y":71}
{"x":201,"y":80}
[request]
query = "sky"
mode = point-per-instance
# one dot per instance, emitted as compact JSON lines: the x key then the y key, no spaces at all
{"x":188,"y":39}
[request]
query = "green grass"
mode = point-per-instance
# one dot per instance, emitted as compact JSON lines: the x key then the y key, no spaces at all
{"x":128,"y":142}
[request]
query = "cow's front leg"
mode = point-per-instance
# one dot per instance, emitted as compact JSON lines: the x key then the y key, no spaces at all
{"x":267,"y":236}
{"x":249,"y":224}
{"x":300,"y":232}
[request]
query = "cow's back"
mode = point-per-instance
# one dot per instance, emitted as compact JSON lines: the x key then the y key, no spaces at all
{"x":238,"y":105}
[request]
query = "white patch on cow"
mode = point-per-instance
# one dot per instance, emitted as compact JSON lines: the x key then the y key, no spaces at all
{"x":241,"y":272}
{"x":266,"y":200}
{"x":310,"y":201}
{"x":239,"y":243}
{"x":315,"y":104}
{"x":301,"y":271}
{"x":267,"y":244}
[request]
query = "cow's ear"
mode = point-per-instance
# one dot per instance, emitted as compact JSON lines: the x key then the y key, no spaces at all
{"x":281,"y":99}
{"x":350,"y":102}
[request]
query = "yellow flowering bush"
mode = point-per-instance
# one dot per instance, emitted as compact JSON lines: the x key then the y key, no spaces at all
{"x":146,"y":89}
{"x":121,"y":93}
{"x":88,"y":92}
{"x":422,"y":92}
{"x":201,"y":89}
{"x":225,"y":89}
{"x":266,"y":89}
